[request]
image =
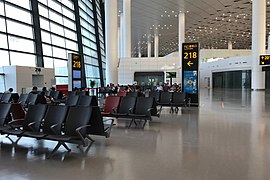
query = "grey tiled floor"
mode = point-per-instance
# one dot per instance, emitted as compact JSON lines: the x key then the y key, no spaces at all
{"x":226,"y":138}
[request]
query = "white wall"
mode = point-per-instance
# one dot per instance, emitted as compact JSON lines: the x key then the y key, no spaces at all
{"x":128,"y":66}
{"x":229,"y":64}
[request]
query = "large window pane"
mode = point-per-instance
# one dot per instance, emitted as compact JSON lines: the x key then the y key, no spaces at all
{"x":70,"y":24}
{"x":60,"y":68}
{"x":57,"y":29}
{"x":4,"y":58}
{"x":56,"y":17}
{"x":2,"y":8}
{"x":23,"y":3}
{"x":2,"y":25}
{"x":43,"y":11}
{"x":54,"y":5}
{"x":68,"y":13}
{"x":21,"y":44}
{"x":19,"y":29}
{"x":43,"y":1}
{"x":59,"y":52}
{"x":3,"y":42}
{"x":22,"y":59}
{"x":47,"y":50}
{"x":44,"y":24}
{"x":70,"y":34}
{"x":59,"y":41}
{"x":69,"y":4}
{"x":48,"y":62}
{"x":2,"y":83}
{"x":46,"y":37}
{"x":71,"y":45}
{"x":18,"y":14}
{"x":61,"y":80}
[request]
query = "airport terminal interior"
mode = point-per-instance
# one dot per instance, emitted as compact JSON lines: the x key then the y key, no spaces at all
{"x":135,"y":89}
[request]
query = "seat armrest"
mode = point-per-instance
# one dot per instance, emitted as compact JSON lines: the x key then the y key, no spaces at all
{"x":108,"y":131}
{"x":149,"y":111}
{"x":11,"y":123}
{"x":30,"y":125}
{"x":53,"y":128}
{"x":79,"y":129}
{"x":130,"y":110}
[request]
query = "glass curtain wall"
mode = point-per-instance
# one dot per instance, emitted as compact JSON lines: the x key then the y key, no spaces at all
{"x":90,"y":38}
{"x":58,"y":31}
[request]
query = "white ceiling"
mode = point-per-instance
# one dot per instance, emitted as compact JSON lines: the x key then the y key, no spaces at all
{"x":211,"y":22}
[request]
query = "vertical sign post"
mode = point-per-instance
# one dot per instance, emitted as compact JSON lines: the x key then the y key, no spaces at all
{"x":74,"y":71}
{"x":190,"y":68}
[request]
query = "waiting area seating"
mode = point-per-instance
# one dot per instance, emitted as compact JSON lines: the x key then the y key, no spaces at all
{"x":131,"y":108}
{"x":64,"y":124}
{"x":170,"y":99}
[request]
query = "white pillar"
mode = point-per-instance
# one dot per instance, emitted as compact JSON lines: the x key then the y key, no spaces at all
{"x":181,"y":38}
{"x":111,"y":41}
{"x":139,"y":51}
{"x":230,"y":45}
{"x":181,"y":32}
{"x":119,"y":42}
{"x":149,"y":48}
{"x":156,"y":45}
{"x":258,"y":42}
{"x":121,"y":35}
{"x":127,"y":28}
{"x":268,"y":45}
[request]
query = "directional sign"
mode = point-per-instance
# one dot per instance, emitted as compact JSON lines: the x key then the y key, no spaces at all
{"x":190,"y":69}
{"x":265,"y":60}
{"x":190,"y":56}
{"x":75,"y":71}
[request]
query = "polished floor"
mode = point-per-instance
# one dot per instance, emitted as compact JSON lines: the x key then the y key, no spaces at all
{"x":226,"y":138}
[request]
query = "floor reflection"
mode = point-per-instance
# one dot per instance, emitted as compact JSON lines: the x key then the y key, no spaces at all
{"x":227,"y":137}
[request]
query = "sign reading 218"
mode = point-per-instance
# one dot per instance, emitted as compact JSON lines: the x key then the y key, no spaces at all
{"x":190,"y":56}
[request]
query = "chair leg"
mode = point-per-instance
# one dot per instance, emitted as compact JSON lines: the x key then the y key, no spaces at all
{"x":54,"y":150}
{"x":84,"y":151}
{"x":14,"y":142}
{"x":88,"y":137}
{"x":171,"y":110}
{"x":144,"y":123}
{"x":132,"y":120}
{"x":176,"y":110}
{"x":67,"y":148}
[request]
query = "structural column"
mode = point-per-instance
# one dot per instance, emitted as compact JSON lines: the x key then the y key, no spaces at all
{"x":149,"y":48}
{"x":181,"y":33}
{"x":230,"y":45}
{"x":258,"y":42}
{"x":139,"y":51}
{"x":127,"y":28}
{"x":121,"y":36}
{"x":119,"y":42}
{"x":156,"y":45}
{"x":111,"y":31}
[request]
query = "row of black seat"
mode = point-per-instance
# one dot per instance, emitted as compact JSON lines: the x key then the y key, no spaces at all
{"x":71,"y":100}
{"x":8,"y":97}
{"x":130,"y":107}
{"x":65,"y":124}
{"x":171,"y":99}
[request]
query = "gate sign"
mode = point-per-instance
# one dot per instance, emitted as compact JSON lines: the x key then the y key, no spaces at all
{"x":265,"y":60}
{"x":75,"y":71}
{"x":190,"y":68}
{"x":190,"y":56}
